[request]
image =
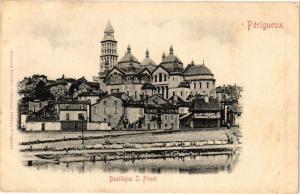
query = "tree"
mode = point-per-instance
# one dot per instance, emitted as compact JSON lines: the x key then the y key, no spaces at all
{"x":41,"y":91}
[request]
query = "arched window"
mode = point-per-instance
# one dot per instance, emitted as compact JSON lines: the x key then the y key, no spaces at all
{"x":165,"y":77}
{"x":207,"y":85}
{"x":200,"y":84}
{"x":155,"y":78}
{"x":195,"y":85}
{"x":160,"y":77}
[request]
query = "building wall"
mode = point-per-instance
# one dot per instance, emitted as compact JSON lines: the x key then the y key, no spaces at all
{"x":155,"y":100}
{"x":200,"y":87}
{"x":164,"y":74}
{"x":93,"y":99}
{"x":148,"y":92}
{"x":23,"y":120}
{"x":168,"y":121}
{"x":183,"y":110}
{"x":37,"y":126}
{"x":134,"y":113}
{"x":36,"y":106}
{"x":183,"y":93}
{"x":73,"y":115}
{"x":102,"y":85}
{"x":108,"y":110}
{"x":175,"y":80}
{"x":133,"y":90}
{"x":97,"y":126}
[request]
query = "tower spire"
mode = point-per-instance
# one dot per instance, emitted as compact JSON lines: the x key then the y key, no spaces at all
{"x":128,"y":48}
{"x":109,"y":31}
{"x":171,"y":50}
{"x":147,"y":53}
{"x":109,"y":56}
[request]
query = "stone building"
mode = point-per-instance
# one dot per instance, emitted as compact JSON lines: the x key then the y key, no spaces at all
{"x":109,"y":109}
{"x":73,"y":115}
{"x":206,"y":112}
{"x":167,"y":78}
{"x":108,"y":55}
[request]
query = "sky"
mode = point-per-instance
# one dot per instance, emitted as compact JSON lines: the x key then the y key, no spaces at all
{"x":64,"y":38}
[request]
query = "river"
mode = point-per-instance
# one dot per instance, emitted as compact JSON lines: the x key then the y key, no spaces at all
{"x":188,"y":164}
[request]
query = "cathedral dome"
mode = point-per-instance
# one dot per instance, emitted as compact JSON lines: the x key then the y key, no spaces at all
{"x":193,"y":69}
{"x":171,"y":58}
{"x":148,"y":61}
{"x":128,"y":60}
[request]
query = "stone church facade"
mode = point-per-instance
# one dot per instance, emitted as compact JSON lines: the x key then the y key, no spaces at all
{"x":138,"y":79}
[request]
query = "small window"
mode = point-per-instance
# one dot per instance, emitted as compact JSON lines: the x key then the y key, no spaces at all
{"x":166,"y":124}
{"x":104,"y":110}
{"x":207,"y":85}
{"x":200,"y":84}
{"x":67,"y":116}
{"x":43,"y":126}
{"x":173,"y":93}
{"x":155,"y":78}
{"x":165,"y":77}
{"x":195,"y":85}
{"x":80,"y":116}
{"x":181,"y":93}
{"x":160,"y":77}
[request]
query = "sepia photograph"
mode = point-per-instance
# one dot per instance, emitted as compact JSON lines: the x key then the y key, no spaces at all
{"x":149,"y":96}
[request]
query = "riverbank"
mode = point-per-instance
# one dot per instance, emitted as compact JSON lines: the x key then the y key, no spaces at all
{"x":130,"y":146}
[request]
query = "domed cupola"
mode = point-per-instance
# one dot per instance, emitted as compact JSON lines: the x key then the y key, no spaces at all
{"x":197,"y":70}
{"x":171,"y":61}
{"x":128,"y":60}
{"x":148,"y":62}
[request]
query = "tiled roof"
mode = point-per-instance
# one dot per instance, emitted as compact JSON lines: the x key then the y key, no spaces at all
{"x":89,"y":93}
{"x":196,"y":70}
{"x":199,"y":104}
{"x":179,"y":101}
{"x":73,"y":102}
{"x":93,"y":84}
{"x":148,"y":86}
{"x":184,"y":84}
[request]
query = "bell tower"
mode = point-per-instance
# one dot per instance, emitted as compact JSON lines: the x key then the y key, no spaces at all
{"x":108,"y":49}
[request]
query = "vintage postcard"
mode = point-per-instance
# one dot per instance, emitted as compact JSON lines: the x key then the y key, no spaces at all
{"x":149,"y":96}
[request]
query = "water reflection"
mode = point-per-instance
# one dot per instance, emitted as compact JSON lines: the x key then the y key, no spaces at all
{"x":186,"y":164}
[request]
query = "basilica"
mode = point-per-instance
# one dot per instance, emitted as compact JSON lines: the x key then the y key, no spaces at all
{"x":129,"y":94}
{"x":170,"y":77}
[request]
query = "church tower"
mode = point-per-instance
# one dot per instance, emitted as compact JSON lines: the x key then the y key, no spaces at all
{"x":108,"y":55}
